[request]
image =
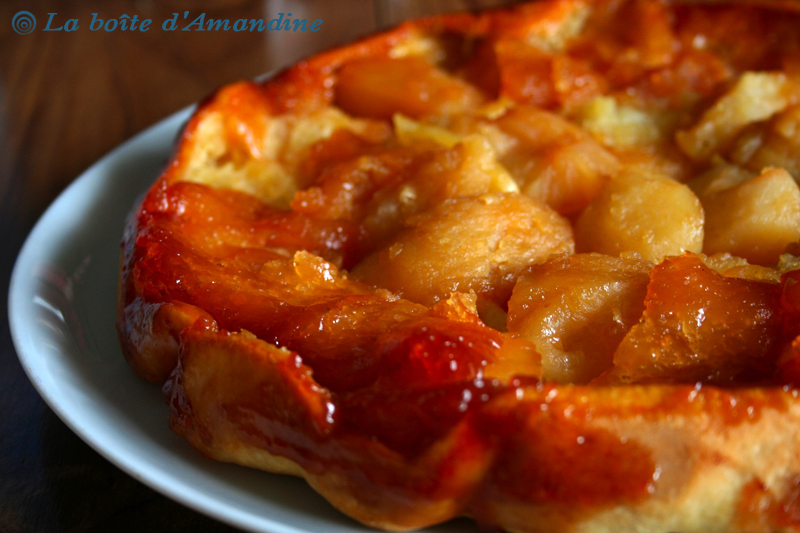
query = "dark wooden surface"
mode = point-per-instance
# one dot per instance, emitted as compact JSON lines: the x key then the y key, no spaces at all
{"x":65,"y":100}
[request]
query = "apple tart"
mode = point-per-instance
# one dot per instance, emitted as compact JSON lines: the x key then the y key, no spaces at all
{"x":536,"y":266}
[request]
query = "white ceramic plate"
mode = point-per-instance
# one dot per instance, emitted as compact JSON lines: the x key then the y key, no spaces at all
{"x":62,"y":308}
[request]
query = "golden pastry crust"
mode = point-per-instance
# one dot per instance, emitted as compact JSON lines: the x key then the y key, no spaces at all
{"x":363,"y":271}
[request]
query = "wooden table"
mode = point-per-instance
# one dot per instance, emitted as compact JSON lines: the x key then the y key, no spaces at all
{"x":67,"y":98}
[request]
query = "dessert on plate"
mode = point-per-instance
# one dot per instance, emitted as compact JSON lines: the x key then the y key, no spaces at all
{"x":537,"y":266}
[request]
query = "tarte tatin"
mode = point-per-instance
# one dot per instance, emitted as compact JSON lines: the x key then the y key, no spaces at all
{"x":536,"y":266}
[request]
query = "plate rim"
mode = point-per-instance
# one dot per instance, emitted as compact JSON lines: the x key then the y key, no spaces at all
{"x":19,"y":290}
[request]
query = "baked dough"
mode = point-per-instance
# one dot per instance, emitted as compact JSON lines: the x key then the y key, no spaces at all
{"x":533,"y":266}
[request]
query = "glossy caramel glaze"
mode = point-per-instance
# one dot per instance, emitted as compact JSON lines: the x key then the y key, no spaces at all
{"x":363,"y":272}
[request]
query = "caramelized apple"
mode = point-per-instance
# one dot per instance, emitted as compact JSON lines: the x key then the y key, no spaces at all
{"x":468,"y":168}
{"x":651,"y":215}
{"x":576,"y":310}
{"x":701,"y":326}
{"x":756,"y":96}
{"x":772,"y":144}
{"x":208,"y":378}
{"x":788,"y":370}
{"x":479,"y":244}
{"x":343,"y":349}
{"x":532,"y":76}
{"x":554,"y":161}
{"x":378,"y":188}
{"x":431,"y":375}
{"x":257,"y":289}
{"x":381,"y":87}
{"x":150,"y":335}
{"x":755,"y":218}
{"x":223,"y":221}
